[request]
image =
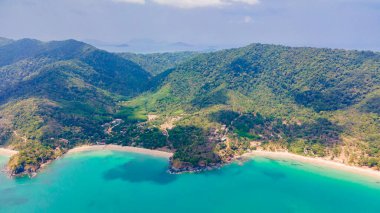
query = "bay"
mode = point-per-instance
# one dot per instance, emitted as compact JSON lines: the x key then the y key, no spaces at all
{"x":111,"y":181}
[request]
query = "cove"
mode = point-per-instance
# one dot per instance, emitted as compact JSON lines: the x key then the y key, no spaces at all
{"x":111,"y":181}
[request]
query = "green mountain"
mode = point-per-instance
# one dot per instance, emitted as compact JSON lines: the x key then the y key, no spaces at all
{"x":26,"y":58}
{"x":56,"y":94}
{"x":317,"y":79}
{"x":156,"y":63}
{"x":207,"y":108}
{"x":317,"y":102}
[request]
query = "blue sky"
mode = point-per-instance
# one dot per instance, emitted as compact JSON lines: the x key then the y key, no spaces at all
{"x":350,"y":24}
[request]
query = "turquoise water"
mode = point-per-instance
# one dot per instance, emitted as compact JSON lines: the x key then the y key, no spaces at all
{"x":109,"y":181}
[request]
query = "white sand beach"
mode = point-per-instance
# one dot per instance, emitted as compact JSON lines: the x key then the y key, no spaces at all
{"x":317,"y":161}
{"x":120,"y":148}
{"x":7,"y":152}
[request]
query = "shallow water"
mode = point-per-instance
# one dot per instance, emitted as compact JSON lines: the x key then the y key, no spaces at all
{"x":108,"y":181}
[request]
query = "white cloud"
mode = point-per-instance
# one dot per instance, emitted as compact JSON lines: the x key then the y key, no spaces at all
{"x":251,"y":2}
{"x":131,"y":1}
{"x":193,"y":3}
{"x":248,"y":19}
{"x":203,"y":3}
{"x":190,"y":3}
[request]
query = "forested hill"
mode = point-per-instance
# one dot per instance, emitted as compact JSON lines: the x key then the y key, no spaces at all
{"x":156,"y":63}
{"x":56,"y":94}
{"x":317,"y":102}
{"x":26,"y":60}
{"x":206,"y":107}
{"x":317,"y":79}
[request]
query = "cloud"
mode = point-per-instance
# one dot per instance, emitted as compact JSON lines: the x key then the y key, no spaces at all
{"x":203,"y":3}
{"x":188,"y":4}
{"x":251,"y":2}
{"x":131,"y":1}
{"x":248,"y":19}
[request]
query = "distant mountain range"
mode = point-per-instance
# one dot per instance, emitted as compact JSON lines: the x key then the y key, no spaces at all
{"x":151,"y":46}
{"x":4,"y":41}
{"x":206,"y":107}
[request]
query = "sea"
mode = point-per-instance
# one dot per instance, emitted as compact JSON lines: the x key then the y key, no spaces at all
{"x":112,"y":181}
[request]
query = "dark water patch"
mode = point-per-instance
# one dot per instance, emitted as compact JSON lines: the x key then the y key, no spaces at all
{"x":271,"y":160}
{"x":22,"y":180}
{"x":278,"y":161}
{"x":273,"y":174}
{"x":140,"y":170}
{"x":232,"y":169}
{"x":214,"y":172}
{"x":296,"y":164}
{"x":13,"y":201}
{"x":217,"y":171}
{"x":8,"y":191}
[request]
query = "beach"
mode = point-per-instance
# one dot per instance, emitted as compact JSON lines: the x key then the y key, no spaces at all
{"x":7,"y":152}
{"x":316,"y":161}
{"x":274,"y":155}
{"x":86,"y":148}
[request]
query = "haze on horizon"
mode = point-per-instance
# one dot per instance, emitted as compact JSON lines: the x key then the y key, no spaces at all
{"x":348,"y":24}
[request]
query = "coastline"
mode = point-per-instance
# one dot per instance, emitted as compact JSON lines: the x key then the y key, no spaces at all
{"x":86,"y":148}
{"x":362,"y":171}
{"x":7,"y":152}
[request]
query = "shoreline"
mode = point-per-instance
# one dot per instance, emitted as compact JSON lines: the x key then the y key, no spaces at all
{"x":7,"y":152}
{"x":86,"y":148}
{"x":362,"y":171}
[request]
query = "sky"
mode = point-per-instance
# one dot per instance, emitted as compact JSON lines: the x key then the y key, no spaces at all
{"x":348,"y":24}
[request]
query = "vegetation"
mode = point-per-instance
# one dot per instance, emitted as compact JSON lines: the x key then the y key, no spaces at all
{"x":156,"y":63}
{"x":207,"y":108}
{"x":31,"y":157}
{"x":279,"y":97}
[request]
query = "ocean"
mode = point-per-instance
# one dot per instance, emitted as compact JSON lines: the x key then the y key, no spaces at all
{"x":111,"y":181}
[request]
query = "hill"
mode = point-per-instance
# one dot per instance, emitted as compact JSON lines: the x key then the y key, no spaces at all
{"x":54,"y":95}
{"x":156,"y":63}
{"x":305,"y":100}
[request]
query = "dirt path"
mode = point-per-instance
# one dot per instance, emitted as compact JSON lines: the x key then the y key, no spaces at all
{"x":22,"y":137}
